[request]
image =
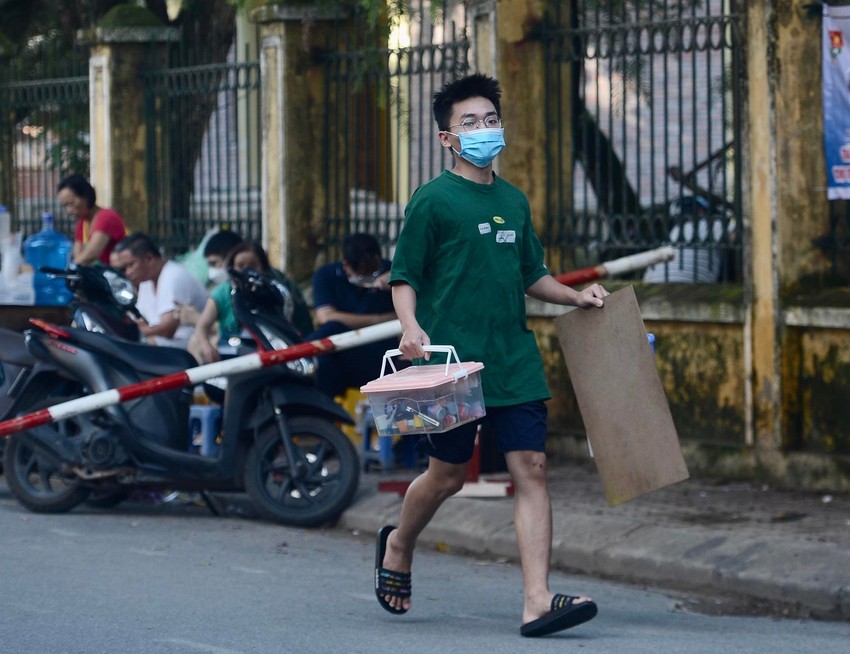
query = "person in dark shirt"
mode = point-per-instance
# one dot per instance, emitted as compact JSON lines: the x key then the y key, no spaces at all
{"x":350,"y":294}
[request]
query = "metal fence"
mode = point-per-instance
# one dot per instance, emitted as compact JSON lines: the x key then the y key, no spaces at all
{"x":652,"y":131}
{"x":203,"y":150}
{"x":44,"y":127}
{"x":380,"y":97}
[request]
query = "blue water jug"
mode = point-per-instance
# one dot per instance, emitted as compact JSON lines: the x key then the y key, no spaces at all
{"x":52,"y":249}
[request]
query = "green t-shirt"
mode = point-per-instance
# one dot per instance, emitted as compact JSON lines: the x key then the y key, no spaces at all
{"x":469,"y":251}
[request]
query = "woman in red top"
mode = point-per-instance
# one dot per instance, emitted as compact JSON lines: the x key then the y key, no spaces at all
{"x":97,"y":230}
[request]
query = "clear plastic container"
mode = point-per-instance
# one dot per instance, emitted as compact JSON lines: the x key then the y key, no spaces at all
{"x":426,"y":399}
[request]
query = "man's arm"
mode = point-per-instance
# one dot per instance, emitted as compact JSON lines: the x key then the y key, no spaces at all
{"x":548,"y":289}
{"x":352,"y":320}
{"x":166,"y":328}
{"x":413,"y":337}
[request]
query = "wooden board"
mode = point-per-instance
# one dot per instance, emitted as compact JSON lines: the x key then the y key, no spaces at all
{"x":621,"y":399}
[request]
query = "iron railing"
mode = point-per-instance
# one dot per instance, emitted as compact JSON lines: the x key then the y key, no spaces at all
{"x":652,"y":126}
{"x":380,"y":98}
{"x":203,"y":152}
{"x":44,"y":132}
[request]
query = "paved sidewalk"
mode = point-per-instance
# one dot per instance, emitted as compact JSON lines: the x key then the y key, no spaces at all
{"x":785,"y":548}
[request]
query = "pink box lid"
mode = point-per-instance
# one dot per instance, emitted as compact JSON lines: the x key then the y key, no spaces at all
{"x":418,"y":377}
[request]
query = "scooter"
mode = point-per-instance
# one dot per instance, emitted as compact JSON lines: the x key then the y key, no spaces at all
{"x":103,"y":301}
{"x":278,"y":439}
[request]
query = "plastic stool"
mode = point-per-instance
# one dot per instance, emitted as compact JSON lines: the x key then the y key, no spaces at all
{"x":204,"y":426}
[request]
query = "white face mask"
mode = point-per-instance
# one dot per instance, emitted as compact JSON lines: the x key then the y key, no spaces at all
{"x":217,"y":275}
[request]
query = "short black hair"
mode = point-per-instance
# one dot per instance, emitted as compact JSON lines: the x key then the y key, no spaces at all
{"x":477,"y":85}
{"x":138,"y":245}
{"x":359,"y":248}
{"x":222,"y":242}
{"x":81,"y":188}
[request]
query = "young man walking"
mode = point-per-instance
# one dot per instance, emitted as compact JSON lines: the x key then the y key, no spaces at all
{"x":465,"y":260}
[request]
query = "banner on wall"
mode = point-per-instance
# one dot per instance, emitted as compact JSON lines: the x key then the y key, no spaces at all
{"x":836,"y":100}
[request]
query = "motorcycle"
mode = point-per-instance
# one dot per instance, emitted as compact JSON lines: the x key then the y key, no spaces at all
{"x":103,"y":301}
{"x":279,"y":440}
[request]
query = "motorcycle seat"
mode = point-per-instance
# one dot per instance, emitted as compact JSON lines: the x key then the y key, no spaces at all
{"x":154,"y":359}
{"x":14,"y":349}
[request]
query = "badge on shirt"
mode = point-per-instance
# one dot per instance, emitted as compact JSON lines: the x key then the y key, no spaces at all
{"x":506,"y":236}
{"x":484,"y":228}
{"x":498,"y":220}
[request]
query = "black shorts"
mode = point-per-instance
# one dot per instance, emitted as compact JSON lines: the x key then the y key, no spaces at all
{"x":516,"y":427}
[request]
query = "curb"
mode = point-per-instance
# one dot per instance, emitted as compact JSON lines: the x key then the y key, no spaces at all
{"x":813,"y":578}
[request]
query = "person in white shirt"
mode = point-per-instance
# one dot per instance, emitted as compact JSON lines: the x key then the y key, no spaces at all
{"x":162,"y":287}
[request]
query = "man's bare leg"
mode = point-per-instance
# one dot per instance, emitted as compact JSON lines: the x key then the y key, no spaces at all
{"x":533,"y":523}
{"x":423,"y":497}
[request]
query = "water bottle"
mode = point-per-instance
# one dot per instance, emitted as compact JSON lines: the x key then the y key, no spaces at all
{"x":52,"y":249}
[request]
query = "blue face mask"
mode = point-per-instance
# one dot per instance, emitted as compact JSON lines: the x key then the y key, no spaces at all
{"x":479,"y":147}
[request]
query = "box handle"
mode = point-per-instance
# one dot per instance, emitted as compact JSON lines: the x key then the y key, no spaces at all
{"x":448,"y":349}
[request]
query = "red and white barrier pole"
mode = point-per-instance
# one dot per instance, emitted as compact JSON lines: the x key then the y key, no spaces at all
{"x":274,"y":357}
{"x":200,"y":374}
{"x":617,"y":266}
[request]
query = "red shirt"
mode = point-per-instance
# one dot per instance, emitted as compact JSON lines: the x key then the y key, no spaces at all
{"x":106,"y":221}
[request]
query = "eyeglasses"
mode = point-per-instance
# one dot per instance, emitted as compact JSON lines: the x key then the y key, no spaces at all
{"x":366,"y":281}
{"x":471,"y":124}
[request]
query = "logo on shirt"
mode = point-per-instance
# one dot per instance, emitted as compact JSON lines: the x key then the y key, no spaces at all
{"x":506,"y":236}
{"x":484,"y":228}
{"x":498,"y":220}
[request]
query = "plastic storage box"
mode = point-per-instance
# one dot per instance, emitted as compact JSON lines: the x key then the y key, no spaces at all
{"x":426,"y":399}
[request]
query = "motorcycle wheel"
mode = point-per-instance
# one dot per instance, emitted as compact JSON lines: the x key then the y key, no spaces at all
{"x":36,"y":482}
{"x":325,"y":487}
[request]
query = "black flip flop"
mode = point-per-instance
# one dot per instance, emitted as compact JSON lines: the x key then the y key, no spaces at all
{"x":565,"y":613}
{"x":389,"y":582}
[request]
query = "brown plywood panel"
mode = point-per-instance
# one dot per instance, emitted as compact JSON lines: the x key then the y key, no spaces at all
{"x":621,"y":399}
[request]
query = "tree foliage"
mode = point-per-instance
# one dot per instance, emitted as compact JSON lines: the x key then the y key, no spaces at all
{"x":43,"y":37}
{"x":30,"y":24}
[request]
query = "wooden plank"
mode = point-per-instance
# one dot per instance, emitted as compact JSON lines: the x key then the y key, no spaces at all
{"x":621,"y":399}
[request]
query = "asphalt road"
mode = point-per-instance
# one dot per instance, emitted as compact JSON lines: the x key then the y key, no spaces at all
{"x":168,"y":579}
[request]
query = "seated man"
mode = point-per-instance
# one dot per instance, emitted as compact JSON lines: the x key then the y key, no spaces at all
{"x":162,"y":285}
{"x":351,"y":294}
{"x":215,"y":252}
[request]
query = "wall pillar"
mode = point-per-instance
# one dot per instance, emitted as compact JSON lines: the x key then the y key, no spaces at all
{"x":521,"y":69}
{"x":117,"y":118}
{"x":785,"y":205}
{"x":294,"y":191}
{"x":761,"y":279}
